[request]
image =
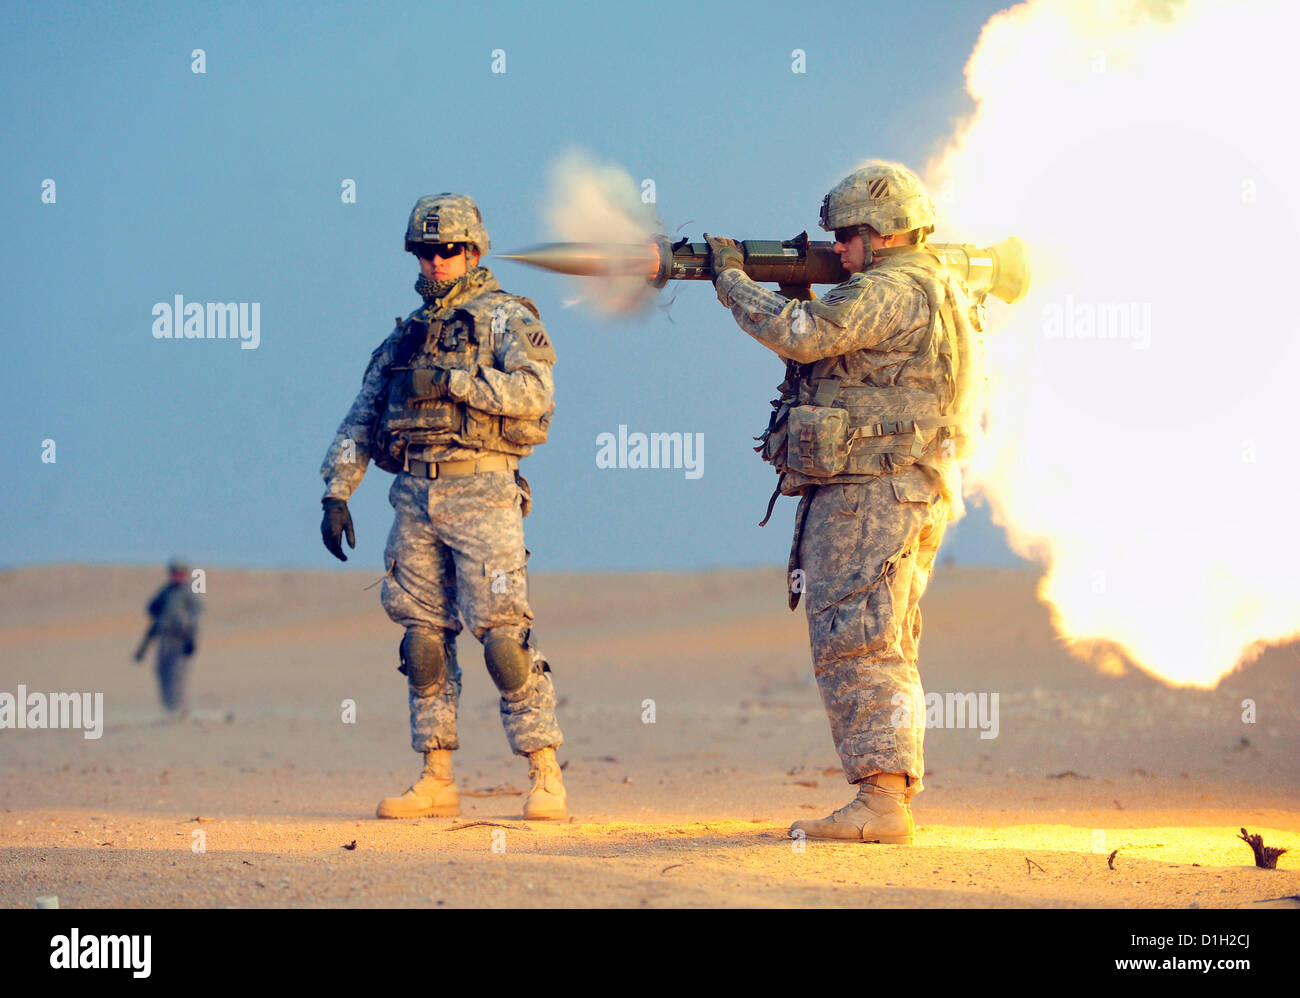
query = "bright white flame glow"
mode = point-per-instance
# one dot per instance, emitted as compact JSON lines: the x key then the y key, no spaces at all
{"x":1141,"y":400}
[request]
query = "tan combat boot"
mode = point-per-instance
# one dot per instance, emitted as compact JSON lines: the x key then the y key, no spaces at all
{"x":433,"y":796}
{"x":546,"y":798}
{"x":881,"y":812}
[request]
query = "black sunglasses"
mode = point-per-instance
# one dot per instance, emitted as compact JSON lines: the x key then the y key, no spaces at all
{"x":445,"y":251}
{"x":846,"y":235}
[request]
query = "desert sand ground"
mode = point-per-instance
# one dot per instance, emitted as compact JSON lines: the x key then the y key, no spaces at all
{"x":689,"y":810}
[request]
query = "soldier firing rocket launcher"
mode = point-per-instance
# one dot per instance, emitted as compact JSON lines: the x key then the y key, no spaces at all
{"x":794,"y":264}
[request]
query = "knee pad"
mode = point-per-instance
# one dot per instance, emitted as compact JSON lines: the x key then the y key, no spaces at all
{"x":424,"y":660}
{"x":509,"y":662}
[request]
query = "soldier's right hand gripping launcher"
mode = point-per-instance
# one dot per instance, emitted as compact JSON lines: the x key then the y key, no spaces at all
{"x":794,"y":264}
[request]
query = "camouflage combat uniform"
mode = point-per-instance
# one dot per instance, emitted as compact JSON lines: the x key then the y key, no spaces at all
{"x":175,"y":611}
{"x":456,"y":549}
{"x":874,"y":354}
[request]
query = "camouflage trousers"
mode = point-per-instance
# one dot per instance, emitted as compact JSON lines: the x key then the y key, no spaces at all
{"x":456,"y":551}
{"x":173,"y":667}
{"x":867,"y":551}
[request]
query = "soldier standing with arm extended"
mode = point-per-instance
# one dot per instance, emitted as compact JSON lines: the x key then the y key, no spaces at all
{"x":174,"y":613}
{"x":872,"y":419}
{"x":451,"y":400}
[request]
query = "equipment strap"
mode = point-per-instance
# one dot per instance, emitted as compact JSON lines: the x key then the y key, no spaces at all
{"x":889,"y":429}
{"x":770,"y":503}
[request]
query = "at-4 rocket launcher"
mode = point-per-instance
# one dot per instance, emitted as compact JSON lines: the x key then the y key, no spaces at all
{"x":794,"y":264}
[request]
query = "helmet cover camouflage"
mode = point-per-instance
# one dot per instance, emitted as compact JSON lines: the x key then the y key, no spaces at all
{"x":887,"y":196}
{"x":446,"y":218}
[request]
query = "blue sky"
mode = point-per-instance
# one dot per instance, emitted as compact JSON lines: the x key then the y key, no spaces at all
{"x":225,"y":186}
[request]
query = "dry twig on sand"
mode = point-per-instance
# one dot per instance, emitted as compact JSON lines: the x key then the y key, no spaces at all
{"x":1265,"y":856}
{"x":493,"y":824}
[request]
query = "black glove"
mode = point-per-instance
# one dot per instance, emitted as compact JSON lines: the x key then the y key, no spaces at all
{"x":724,"y":254}
{"x":336,"y":522}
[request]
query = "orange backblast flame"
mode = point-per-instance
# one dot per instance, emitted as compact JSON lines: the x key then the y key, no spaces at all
{"x":1139,"y":438}
{"x":652,"y":262}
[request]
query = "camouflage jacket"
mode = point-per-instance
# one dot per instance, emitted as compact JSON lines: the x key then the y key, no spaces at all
{"x":877,"y":333}
{"x":175,"y":611}
{"x":518,"y":385}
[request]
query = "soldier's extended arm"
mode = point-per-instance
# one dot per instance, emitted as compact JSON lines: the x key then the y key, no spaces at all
{"x":153,"y":610}
{"x":345,"y":461}
{"x":145,"y":641}
{"x":860,"y":314}
{"x":523,"y":386}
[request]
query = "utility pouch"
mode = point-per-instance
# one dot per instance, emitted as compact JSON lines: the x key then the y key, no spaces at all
{"x":529,"y":432}
{"x":818,"y":440}
{"x":405,"y":412}
{"x":414,"y":385}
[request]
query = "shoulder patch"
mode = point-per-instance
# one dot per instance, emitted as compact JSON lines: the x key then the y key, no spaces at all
{"x":835,"y":305}
{"x":841,"y":292}
{"x":532,"y":335}
{"x":846,"y":291}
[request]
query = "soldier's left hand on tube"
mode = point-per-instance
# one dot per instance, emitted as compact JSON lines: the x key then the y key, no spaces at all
{"x":336,"y":522}
{"x":724,"y":254}
{"x":430,"y":383}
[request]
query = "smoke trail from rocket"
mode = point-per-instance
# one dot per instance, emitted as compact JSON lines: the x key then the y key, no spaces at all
{"x":593,"y":202}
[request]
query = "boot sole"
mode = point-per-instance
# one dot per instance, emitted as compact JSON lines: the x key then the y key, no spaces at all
{"x":559,"y":815}
{"x":887,"y":840}
{"x":442,"y":811}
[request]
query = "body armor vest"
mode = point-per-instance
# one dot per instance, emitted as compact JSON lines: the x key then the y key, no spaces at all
{"x":829,"y":428}
{"x":459,"y":337}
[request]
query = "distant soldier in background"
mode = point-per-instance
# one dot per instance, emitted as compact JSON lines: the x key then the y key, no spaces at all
{"x":450,"y":401}
{"x":174,"y":613}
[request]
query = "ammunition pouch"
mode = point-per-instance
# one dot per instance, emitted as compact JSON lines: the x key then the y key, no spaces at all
{"x":818,"y":440}
{"x":416,"y":414}
{"x":528,"y":432}
{"x":849,"y":432}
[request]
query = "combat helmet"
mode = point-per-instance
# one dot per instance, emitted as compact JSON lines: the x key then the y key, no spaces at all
{"x":446,"y":218}
{"x":887,"y":196}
